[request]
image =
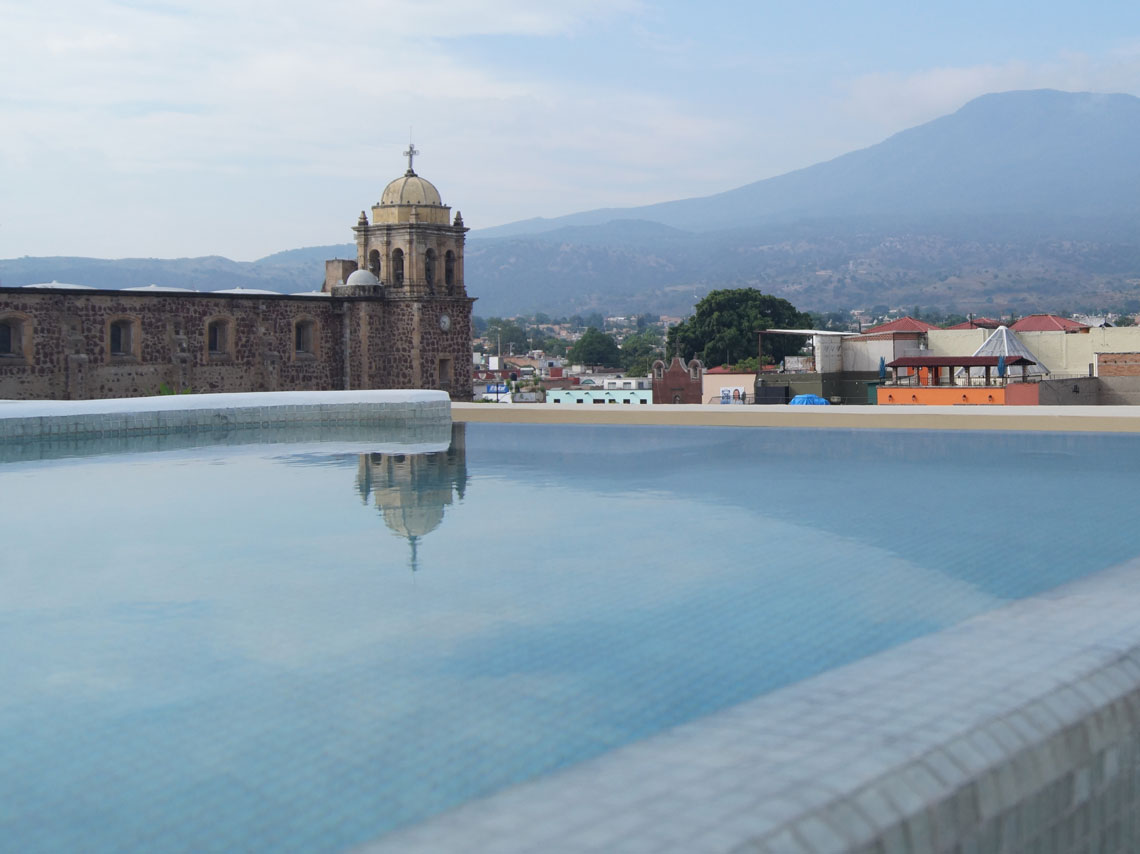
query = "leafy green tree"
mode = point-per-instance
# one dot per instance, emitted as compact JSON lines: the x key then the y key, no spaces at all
{"x":513,"y":337}
{"x":639,"y":352}
{"x":551,"y":346}
{"x":595,"y":348}
{"x":725,"y":324}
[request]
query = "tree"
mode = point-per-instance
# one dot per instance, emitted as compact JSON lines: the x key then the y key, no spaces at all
{"x":513,"y":337}
{"x":639,"y":352}
{"x":595,"y":348}
{"x":724,"y":327}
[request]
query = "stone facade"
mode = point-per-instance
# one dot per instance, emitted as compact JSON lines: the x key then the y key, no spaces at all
{"x":400,"y":332}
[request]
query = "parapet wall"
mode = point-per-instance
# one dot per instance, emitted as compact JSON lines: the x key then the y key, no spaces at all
{"x":98,"y":419}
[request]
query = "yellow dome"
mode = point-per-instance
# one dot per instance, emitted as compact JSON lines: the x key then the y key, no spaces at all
{"x":410,"y":189}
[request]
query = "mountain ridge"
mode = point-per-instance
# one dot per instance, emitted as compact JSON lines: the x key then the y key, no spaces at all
{"x":1017,"y":201}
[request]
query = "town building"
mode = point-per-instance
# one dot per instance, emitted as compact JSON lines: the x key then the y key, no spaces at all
{"x":398,"y":316}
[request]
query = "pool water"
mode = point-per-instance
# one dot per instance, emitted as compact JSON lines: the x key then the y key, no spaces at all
{"x":265,"y":649}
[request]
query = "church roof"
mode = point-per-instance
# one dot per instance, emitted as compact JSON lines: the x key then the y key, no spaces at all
{"x":411,"y":189}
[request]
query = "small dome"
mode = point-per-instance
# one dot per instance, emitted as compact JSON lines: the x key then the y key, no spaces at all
{"x":361,"y":277}
{"x":411,"y":189}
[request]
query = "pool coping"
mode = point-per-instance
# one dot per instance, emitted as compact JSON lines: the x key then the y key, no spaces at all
{"x":145,"y":416}
{"x":1100,"y":419}
{"x":937,"y":745}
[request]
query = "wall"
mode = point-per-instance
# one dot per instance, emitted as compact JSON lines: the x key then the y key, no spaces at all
{"x":1074,"y":391}
{"x":711,"y":384}
{"x":849,"y":387}
{"x":1118,"y":364}
{"x":956,"y":342}
{"x":1061,"y":352}
{"x":1118,"y":391}
{"x":945,"y":396}
{"x":680,"y":382}
{"x":389,"y":344}
{"x":599,"y":396}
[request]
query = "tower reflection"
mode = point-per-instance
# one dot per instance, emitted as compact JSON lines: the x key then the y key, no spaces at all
{"x":412,"y":490}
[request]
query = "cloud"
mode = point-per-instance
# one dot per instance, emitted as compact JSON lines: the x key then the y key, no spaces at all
{"x":894,"y":100}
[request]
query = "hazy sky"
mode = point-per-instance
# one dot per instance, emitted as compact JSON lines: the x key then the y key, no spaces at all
{"x":168,"y":129}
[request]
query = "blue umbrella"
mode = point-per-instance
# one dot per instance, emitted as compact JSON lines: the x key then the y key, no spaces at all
{"x":1001,"y":366}
{"x":882,"y":367}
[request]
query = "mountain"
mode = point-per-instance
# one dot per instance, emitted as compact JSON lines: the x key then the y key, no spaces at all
{"x":1060,"y":153}
{"x":1018,"y":201}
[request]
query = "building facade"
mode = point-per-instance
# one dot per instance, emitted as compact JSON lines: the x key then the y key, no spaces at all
{"x":396,"y":317}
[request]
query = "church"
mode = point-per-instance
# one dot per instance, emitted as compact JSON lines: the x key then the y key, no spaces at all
{"x":398,"y":316}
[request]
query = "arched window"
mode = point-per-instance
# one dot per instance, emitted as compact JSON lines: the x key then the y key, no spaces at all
{"x":449,"y":270}
{"x":123,"y":338}
{"x":429,"y":269}
{"x":305,"y":337}
{"x":398,"y":267}
{"x":219,"y":338}
{"x":374,"y":263}
{"x":659,"y":370}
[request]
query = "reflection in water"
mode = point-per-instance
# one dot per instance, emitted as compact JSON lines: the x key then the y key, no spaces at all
{"x":411,"y":490}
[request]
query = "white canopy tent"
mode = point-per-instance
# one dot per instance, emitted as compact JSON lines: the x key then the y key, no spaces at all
{"x":1004,"y":343}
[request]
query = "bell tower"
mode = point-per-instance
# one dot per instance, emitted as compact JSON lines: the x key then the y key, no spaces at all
{"x":412,"y":245}
{"x":409,"y":258}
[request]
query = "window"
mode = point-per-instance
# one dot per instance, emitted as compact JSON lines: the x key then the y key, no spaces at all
{"x":123,"y":338}
{"x":10,"y":337}
{"x":15,"y":339}
{"x":599,"y":400}
{"x":218,"y":338}
{"x":305,"y":337}
{"x":398,"y":267}
{"x":429,"y":269}
{"x":445,"y":373}
{"x":374,"y":263}
{"x":449,"y":270}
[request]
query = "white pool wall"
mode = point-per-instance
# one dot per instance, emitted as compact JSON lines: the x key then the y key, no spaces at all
{"x":151,"y":415}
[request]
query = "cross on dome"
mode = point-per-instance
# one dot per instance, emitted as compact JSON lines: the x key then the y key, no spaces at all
{"x":410,"y":153}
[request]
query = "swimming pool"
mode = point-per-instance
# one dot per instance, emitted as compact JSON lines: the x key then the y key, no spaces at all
{"x":289,"y":648}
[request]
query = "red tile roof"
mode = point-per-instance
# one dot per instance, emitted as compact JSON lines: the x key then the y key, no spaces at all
{"x":903,"y":324}
{"x":1047,"y":323}
{"x":977,"y":323}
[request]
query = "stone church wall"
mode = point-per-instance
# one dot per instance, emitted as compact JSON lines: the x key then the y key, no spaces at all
{"x":167,"y":346}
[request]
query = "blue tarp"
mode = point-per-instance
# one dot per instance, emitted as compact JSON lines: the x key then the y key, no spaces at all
{"x":808,"y":400}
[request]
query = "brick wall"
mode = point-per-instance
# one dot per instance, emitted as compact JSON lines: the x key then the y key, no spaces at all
{"x":1118,"y":364}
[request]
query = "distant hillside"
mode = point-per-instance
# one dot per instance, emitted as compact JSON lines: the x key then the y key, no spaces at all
{"x":1037,"y":152}
{"x":288,"y":272}
{"x":1018,"y":201}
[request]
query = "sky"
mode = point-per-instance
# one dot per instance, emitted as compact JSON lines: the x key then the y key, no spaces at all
{"x":171,"y":128}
